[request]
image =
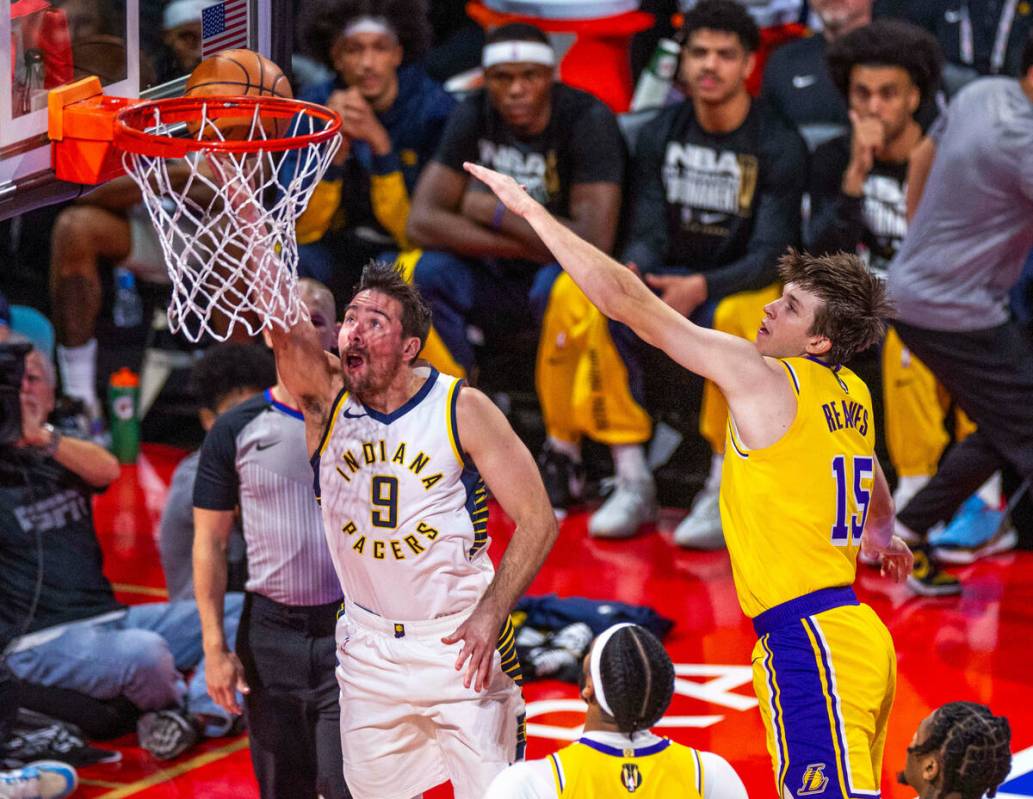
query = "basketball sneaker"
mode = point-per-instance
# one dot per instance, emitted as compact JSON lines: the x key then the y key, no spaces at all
{"x":976,"y":531}
{"x":632,"y":504}
{"x":167,"y":733}
{"x":701,"y":529}
{"x":44,"y":779}
{"x":563,"y":476}
{"x":928,"y":579}
{"x":36,"y":737}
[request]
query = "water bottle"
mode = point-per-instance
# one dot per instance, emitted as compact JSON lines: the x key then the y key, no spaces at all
{"x":654,"y":84}
{"x":123,"y":401}
{"x":34,"y":94}
{"x":128,"y":310}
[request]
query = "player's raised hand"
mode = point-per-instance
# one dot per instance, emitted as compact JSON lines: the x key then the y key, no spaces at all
{"x":479,"y":634}
{"x":510,"y":193}
{"x":224,"y":675}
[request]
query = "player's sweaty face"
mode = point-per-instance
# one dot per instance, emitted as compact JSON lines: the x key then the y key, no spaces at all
{"x":369,"y":62}
{"x":370,"y":342}
{"x":715,"y":65}
{"x":786,"y":328}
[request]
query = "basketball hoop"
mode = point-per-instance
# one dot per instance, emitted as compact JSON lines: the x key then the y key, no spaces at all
{"x":245,"y":168}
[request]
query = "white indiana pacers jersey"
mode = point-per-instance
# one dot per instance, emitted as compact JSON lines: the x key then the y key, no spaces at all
{"x":405,"y":515}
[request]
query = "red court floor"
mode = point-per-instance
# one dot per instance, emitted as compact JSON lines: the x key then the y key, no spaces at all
{"x":976,"y":647}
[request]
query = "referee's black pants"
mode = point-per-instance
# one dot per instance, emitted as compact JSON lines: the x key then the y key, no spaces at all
{"x":989,"y":373}
{"x":293,"y":715}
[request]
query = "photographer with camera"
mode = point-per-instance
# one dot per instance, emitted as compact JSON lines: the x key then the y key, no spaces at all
{"x":60,"y":624}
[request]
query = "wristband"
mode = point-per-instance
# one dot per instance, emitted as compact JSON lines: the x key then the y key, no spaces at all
{"x":48,"y":449}
{"x":496,"y":218}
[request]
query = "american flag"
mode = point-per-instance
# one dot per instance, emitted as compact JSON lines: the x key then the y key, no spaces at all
{"x":224,"y":26}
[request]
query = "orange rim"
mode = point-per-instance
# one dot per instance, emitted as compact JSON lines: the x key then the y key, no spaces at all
{"x":132,"y":122}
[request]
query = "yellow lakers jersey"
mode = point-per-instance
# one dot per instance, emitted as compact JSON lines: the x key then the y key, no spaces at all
{"x":589,"y":769}
{"x":793,"y":512}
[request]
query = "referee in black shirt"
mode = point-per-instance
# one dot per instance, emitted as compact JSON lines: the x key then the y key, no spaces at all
{"x":255,"y":458}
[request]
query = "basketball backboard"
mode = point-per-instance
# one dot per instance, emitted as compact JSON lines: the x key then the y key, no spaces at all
{"x":138,"y":48}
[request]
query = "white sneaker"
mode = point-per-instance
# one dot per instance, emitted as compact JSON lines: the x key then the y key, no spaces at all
{"x":701,"y":529}
{"x":632,"y":504}
{"x":44,"y":779}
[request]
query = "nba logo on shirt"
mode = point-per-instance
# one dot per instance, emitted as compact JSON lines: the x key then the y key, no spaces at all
{"x":631,"y":777}
{"x":814,"y":780}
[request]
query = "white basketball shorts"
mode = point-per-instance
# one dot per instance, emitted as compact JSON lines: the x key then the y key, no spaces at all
{"x":407,"y":722}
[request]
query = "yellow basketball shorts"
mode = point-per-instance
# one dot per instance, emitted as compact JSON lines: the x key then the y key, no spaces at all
{"x":825,"y":672}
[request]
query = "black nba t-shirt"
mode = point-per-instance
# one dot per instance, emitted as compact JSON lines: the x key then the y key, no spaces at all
{"x":581,"y":144}
{"x":872,"y":225}
{"x":703,"y":201}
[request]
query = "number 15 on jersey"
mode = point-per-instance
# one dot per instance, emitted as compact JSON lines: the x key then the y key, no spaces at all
{"x":852,"y":474}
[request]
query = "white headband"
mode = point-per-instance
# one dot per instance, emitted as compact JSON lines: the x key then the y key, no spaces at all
{"x":181,"y":12}
{"x":369,"y":25}
{"x":593,"y":664}
{"x":515,"y":52}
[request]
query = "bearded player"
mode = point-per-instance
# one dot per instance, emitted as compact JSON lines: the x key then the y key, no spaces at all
{"x":399,"y":453}
{"x":801,"y":493}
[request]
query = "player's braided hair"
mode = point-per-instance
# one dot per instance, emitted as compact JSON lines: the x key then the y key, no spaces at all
{"x":974,"y":747}
{"x":387,"y":279}
{"x":854,"y":307}
{"x":638,"y":678}
{"x":322,"y":21}
{"x":887,"y":43}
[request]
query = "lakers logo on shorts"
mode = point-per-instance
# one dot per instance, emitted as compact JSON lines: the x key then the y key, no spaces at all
{"x":631,"y":777}
{"x":814,"y":780}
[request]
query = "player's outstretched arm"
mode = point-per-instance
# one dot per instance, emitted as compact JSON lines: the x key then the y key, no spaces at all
{"x":731,"y":362}
{"x":877,"y":540}
{"x":311,"y":375}
{"x":512,"y":476}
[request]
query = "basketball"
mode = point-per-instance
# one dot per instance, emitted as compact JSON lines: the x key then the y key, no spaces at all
{"x":236,"y":73}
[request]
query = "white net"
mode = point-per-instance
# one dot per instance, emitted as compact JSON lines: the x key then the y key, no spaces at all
{"x":228,"y":236}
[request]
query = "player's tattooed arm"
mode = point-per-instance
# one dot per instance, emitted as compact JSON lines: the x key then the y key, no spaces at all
{"x":308,"y":373}
{"x":486,"y":437}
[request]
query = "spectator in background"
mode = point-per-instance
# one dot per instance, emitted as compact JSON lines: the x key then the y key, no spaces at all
{"x":964,"y":250}
{"x":482,"y":266}
{"x":858,"y":180}
{"x":256,"y":459}
{"x":181,"y":34}
{"x":796,"y":78}
{"x":226,"y":376}
{"x":716,"y":189}
{"x":858,"y":190}
{"x":59,"y":610}
{"x":978,"y":37}
{"x":109,"y":226}
{"x":392,"y":114}
{"x":961,"y":750}
{"x":627,"y":681}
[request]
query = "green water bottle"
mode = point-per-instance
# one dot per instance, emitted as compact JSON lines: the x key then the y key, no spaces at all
{"x":123,"y":400}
